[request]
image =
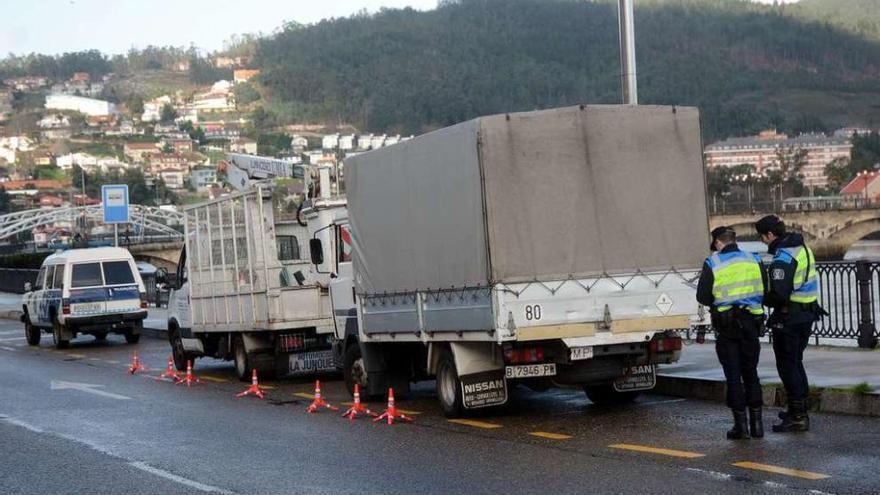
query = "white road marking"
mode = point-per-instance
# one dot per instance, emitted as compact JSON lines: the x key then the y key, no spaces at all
{"x":178,"y":479}
{"x":655,"y":402}
{"x":8,"y":348}
{"x":12,"y":339}
{"x":135,"y":464}
{"x":10,"y":332}
{"x":714,"y":474}
{"x":85,"y":387}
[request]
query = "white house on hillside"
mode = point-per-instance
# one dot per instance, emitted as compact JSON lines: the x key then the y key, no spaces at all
{"x":88,"y":106}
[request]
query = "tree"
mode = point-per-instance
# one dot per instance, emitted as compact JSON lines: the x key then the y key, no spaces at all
{"x":865,"y":151}
{"x":838,"y":173}
{"x":787,"y":171}
{"x":5,"y":204}
{"x":168,"y":114}
{"x":245,"y":93}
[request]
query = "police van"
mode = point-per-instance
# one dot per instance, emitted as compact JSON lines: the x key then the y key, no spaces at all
{"x":92,"y":291}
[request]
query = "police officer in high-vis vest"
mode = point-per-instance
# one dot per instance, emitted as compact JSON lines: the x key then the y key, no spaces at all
{"x":793,"y":293}
{"x":732,"y":285}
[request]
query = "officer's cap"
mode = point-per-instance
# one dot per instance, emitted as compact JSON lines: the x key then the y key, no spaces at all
{"x":766,"y":224}
{"x":717,"y":231}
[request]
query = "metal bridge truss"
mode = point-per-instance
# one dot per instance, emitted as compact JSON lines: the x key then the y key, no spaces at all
{"x":149,"y":218}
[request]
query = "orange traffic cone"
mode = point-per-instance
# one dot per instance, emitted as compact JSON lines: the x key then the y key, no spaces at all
{"x":391,"y":413}
{"x":357,"y":407}
{"x":170,"y":372}
{"x":254,"y":388}
{"x":189,"y":379}
{"x":319,"y":401}
{"x":135,"y":365}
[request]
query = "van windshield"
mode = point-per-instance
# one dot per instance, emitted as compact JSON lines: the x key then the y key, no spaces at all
{"x":117,"y":273}
{"x":86,"y":275}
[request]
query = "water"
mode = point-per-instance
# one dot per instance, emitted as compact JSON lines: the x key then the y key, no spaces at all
{"x":863,"y":249}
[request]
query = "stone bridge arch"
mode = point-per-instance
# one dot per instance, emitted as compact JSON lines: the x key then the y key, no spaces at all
{"x":853,"y":232}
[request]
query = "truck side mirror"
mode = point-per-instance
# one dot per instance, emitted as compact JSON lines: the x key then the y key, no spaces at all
{"x":316,"y":250}
{"x":28,"y":287}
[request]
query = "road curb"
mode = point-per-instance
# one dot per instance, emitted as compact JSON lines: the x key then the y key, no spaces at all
{"x":11,"y":314}
{"x":824,"y":400}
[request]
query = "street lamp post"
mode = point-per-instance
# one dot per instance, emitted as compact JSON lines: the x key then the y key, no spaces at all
{"x":864,"y":175}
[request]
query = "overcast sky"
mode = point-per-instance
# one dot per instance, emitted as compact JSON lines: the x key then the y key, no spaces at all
{"x":114,"y":26}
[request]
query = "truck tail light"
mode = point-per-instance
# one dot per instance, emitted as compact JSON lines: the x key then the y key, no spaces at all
{"x":143,"y":300}
{"x":525,"y":355}
{"x":65,"y":306}
{"x":666,"y":344}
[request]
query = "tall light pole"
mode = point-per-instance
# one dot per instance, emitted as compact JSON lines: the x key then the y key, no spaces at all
{"x":627,"y":52}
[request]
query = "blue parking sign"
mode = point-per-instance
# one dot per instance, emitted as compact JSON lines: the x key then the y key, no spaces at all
{"x":114,"y":199}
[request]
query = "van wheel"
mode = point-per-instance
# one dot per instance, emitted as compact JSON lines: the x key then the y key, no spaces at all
{"x":242,"y":361}
{"x":605,"y":395}
{"x":353,"y":369}
{"x":31,"y":333}
{"x":449,"y":386}
{"x":57,"y":331}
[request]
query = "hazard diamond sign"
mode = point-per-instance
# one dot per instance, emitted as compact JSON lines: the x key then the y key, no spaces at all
{"x":664,"y":303}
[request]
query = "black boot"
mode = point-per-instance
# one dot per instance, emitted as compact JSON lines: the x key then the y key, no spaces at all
{"x":795,"y":420}
{"x":740,"y":428}
{"x":756,"y":422}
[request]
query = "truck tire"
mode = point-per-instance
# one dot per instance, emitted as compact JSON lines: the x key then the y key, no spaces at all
{"x":243,"y":364}
{"x":100,"y":336}
{"x":449,"y":386}
{"x":353,"y":369}
{"x":177,"y":353}
{"x":31,"y":333}
{"x":131,"y":337}
{"x":605,"y":395}
{"x":57,"y":332}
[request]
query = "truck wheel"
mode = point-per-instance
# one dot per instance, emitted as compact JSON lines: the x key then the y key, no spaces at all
{"x":354,"y":370}
{"x":242,"y":361}
{"x":177,"y":352}
{"x":31,"y":333}
{"x":57,"y":331}
{"x":100,"y":336}
{"x":132,"y":338}
{"x":605,"y":395}
{"x":449,"y":386}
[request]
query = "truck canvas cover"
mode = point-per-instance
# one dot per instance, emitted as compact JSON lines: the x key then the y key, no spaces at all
{"x":546,"y":195}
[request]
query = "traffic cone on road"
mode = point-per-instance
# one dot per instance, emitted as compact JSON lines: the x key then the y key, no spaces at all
{"x":319,"y":401}
{"x":255,"y":388}
{"x":170,"y":372}
{"x":189,"y":379}
{"x":357,"y":407}
{"x":392,"y":413}
{"x":135,"y":365}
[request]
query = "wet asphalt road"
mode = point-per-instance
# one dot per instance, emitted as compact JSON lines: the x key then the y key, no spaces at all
{"x":135,"y":434}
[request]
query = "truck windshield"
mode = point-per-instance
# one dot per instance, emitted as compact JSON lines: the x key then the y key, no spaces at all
{"x":117,"y":273}
{"x":86,"y":275}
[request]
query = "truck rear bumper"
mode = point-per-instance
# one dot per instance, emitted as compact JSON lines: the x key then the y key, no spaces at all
{"x":102,"y":322}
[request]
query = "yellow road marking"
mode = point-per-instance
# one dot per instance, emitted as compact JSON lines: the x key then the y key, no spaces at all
{"x":655,"y":450}
{"x":411,"y":412}
{"x":473,"y":422}
{"x":77,"y":356}
{"x":304,"y":395}
{"x":781,"y":470}
{"x":551,"y":436}
{"x":217,"y":379}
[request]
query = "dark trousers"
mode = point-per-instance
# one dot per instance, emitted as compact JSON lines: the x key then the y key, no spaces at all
{"x":789,"y":343}
{"x":738,"y":351}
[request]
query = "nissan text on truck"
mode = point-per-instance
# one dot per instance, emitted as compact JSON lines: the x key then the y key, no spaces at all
{"x":547,"y":248}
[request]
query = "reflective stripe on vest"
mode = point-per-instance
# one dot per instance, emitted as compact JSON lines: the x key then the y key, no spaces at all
{"x":738,"y":281}
{"x":805,"y":285}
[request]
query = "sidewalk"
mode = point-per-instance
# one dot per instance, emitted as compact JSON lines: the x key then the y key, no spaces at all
{"x":836,"y":367}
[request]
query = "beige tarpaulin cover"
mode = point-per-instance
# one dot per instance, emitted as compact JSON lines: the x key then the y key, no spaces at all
{"x":571,"y":192}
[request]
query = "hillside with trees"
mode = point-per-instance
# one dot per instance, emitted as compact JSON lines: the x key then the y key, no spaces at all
{"x":747,"y":66}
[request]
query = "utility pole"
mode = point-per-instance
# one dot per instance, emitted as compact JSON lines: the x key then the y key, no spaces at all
{"x":627,"y":52}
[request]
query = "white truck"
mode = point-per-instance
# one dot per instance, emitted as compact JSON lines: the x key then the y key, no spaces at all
{"x":548,"y":248}
{"x":243,"y":290}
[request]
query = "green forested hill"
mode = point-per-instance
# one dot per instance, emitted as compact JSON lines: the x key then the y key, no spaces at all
{"x":859,"y":16}
{"x":747,"y":66}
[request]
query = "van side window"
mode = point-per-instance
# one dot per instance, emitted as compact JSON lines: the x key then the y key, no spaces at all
{"x":38,"y":284}
{"x":117,"y":273}
{"x":86,"y":275}
{"x":50,"y":277}
{"x":58,"y":282}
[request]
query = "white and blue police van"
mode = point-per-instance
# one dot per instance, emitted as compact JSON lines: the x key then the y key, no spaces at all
{"x":92,"y":291}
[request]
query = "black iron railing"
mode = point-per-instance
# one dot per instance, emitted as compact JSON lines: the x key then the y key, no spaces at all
{"x":848,"y":290}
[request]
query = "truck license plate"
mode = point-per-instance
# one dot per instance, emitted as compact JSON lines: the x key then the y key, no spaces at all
{"x":87,"y":307}
{"x":530,"y":370}
{"x":581,"y":353}
{"x":310,"y":362}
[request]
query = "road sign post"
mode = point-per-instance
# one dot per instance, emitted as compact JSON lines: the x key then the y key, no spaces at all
{"x":114,"y":200}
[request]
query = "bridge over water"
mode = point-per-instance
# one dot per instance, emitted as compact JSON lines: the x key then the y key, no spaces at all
{"x":833,"y":229}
